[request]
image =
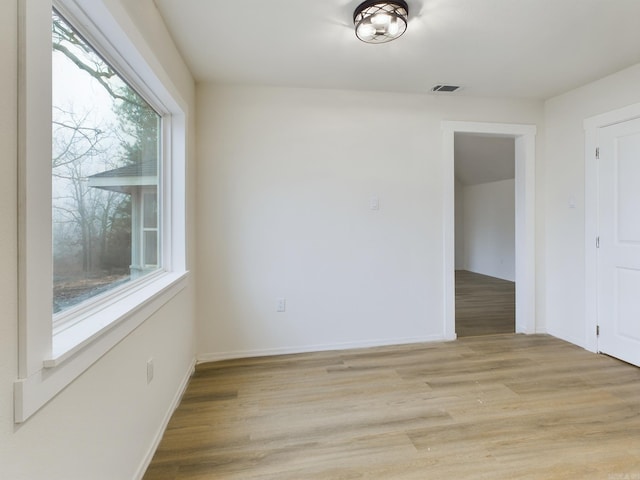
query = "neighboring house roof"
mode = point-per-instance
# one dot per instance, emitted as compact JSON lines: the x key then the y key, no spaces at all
{"x":124,"y":179}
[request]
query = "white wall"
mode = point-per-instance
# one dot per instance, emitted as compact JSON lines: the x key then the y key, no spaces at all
{"x":562,"y":178}
{"x":459,"y":226}
{"x":103,"y":425}
{"x":284,"y":182}
{"x":489,"y":229}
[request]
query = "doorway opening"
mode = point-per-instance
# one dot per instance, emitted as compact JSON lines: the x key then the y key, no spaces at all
{"x":524,"y":152}
{"x":484,"y":170}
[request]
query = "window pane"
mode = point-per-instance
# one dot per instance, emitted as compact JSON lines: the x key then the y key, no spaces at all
{"x":150,"y":213}
{"x":150,"y":247}
{"x":105,"y":151}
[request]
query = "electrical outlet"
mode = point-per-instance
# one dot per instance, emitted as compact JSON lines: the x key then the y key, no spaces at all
{"x":281,"y":304}
{"x":149,"y":370}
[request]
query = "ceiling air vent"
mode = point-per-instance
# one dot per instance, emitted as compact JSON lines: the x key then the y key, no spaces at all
{"x":445,"y":88}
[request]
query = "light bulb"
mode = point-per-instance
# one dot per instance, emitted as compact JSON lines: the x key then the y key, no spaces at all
{"x":394,"y":28}
{"x":381,"y":19}
{"x":366,"y":30}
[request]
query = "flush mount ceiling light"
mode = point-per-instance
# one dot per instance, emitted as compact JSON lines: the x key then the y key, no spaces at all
{"x":378,"y":21}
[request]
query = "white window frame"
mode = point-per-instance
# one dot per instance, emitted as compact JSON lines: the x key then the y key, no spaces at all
{"x":51,"y":359}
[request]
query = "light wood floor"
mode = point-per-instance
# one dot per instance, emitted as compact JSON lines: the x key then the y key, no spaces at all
{"x":496,"y":407}
{"x":484,"y":305}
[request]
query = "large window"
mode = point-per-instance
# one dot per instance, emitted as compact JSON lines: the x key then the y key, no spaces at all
{"x":102,"y":145}
{"x":105,"y":175}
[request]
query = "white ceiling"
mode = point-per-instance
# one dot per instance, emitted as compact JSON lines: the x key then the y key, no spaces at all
{"x":483,"y":158}
{"x":508,"y":48}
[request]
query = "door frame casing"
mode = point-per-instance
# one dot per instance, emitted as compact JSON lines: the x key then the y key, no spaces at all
{"x":524,"y":136}
{"x":592,"y":125}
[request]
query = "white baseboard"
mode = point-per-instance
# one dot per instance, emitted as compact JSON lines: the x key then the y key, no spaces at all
{"x":165,"y":422}
{"x":267,"y":352}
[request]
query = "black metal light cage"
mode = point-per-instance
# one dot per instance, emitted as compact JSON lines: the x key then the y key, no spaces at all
{"x":368,"y":14}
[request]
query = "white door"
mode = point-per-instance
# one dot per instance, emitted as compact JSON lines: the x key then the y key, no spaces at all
{"x":619,"y":240}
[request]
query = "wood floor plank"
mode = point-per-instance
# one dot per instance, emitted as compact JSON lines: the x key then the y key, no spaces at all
{"x":497,"y":407}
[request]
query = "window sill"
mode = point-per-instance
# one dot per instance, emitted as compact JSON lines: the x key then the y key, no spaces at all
{"x":75,"y":349}
{"x":138,"y":303}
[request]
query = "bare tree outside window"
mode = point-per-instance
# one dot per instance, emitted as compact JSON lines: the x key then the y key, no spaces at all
{"x":105,"y":170}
